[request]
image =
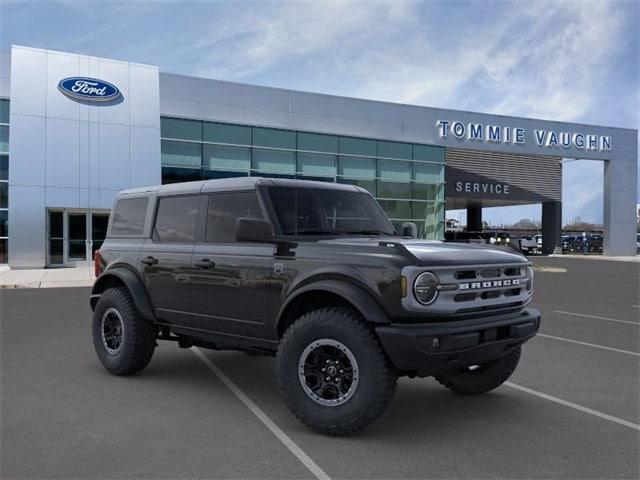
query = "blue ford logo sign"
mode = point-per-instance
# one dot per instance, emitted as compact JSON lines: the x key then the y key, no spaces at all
{"x":89,"y":89}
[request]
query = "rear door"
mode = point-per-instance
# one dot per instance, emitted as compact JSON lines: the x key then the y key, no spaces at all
{"x":230,"y":289}
{"x":166,"y":257}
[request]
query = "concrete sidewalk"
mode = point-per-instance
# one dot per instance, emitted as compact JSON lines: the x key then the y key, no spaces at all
{"x":47,"y":278}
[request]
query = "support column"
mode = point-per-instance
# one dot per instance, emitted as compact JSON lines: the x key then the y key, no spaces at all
{"x":551,"y":227}
{"x":474,"y":218}
{"x":620,"y":198}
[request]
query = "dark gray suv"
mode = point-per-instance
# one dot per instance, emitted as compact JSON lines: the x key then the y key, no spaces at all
{"x":314,"y":274}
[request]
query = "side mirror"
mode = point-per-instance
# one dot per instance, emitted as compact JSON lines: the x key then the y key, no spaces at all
{"x":253,"y":230}
{"x":409,"y":229}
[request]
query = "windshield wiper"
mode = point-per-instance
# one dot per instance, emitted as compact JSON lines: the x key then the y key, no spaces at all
{"x":365,"y":232}
{"x":309,"y":231}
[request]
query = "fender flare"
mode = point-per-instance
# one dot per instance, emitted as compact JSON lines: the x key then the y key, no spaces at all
{"x":362,"y":301}
{"x":133,"y":283}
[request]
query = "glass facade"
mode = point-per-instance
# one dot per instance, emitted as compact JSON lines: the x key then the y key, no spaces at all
{"x":407,"y":179}
{"x":4,"y":181}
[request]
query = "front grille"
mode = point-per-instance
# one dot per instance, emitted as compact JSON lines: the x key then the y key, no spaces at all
{"x":475,"y":289}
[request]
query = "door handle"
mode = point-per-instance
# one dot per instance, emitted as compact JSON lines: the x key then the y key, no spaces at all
{"x":149,"y":261}
{"x":205,"y":263}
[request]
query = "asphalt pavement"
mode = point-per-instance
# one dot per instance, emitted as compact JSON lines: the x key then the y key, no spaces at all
{"x":570,"y":411}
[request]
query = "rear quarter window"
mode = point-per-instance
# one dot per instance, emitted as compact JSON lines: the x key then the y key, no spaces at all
{"x":128,"y":216}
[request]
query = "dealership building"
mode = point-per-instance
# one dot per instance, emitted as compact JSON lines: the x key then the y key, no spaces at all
{"x":75,"y":130}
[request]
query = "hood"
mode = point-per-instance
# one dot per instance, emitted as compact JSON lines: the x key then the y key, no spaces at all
{"x":436,"y":253}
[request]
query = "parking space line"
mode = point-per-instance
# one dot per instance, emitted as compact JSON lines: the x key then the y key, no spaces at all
{"x":575,"y":406}
{"x":589,"y":344}
{"x":597,"y":318}
{"x":257,"y":411}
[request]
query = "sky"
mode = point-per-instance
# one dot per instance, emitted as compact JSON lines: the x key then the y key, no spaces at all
{"x":558,"y":60}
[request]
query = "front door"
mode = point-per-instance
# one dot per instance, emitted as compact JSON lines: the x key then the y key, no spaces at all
{"x":77,"y":237}
{"x":73,"y":236}
{"x":165,"y":259}
{"x":230,"y":289}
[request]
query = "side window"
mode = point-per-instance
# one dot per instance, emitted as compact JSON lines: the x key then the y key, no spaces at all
{"x":128,"y":216}
{"x":224,"y":209}
{"x":176,"y":219}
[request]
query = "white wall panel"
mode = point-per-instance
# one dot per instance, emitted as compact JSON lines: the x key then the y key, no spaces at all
{"x":303,"y":121}
{"x":118,"y":74}
{"x":62,"y":167}
{"x":224,"y":93}
{"x":115,"y":160}
{"x":266,"y":98}
{"x":271,"y":118}
{"x":145,"y":155}
{"x":106,"y":198}
{"x":5,"y":64}
{"x":62,"y":197}
{"x":29,"y":81}
{"x":179,"y":87}
{"x":178,"y":107}
{"x":27,"y":241}
{"x":222,"y":113}
{"x":310,"y":103}
{"x":84,"y":163}
{"x":59,"y":66}
{"x":144,"y":97}
{"x":27,"y":142}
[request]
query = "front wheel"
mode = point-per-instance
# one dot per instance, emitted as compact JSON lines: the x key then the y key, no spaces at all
{"x":482,"y":378}
{"x":332,"y":372}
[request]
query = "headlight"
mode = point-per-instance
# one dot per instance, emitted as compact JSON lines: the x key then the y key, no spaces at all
{"x":492,"y":240}
{"x":425,"y":288}
{"x":529,"y":279}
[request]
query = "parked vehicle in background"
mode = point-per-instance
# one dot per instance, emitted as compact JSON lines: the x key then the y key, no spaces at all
{"x":485,"y":237}
{"x":582,"y":244}
{"x":314,"y":274}
{"x":528,"y":245}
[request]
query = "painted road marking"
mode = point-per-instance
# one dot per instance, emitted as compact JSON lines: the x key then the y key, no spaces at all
{"x":257,"y":411}
{"x":575,"y":406}
{"x":597,"y":318}
{"x":589,"y":344}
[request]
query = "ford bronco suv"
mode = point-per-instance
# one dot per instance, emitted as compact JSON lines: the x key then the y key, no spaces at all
{"x":314,"y":274}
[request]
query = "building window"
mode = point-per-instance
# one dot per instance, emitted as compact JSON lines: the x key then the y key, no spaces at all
{"x":4,"y":181}
{"x":274,"y":138}
{"x":314,"y":142}
{"x":221,"y":157}
{"x":316,"y":164}
{"x":181,"y":129}
{"x":407,"y":179}
{"x":223,"y":133}
{"x":181,"y":154}
{"x":394,"y":150}
{"x":274,"y":161}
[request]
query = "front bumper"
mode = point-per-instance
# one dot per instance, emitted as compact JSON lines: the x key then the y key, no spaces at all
{"x":430,"y":348}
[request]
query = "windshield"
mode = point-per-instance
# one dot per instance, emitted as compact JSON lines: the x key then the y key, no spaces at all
{"x":318,"y":211}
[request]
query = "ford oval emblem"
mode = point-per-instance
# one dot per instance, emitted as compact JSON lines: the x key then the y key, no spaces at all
{"x":89,"y":89}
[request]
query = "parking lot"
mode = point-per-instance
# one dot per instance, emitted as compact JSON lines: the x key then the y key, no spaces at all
{"x":570,"y":411}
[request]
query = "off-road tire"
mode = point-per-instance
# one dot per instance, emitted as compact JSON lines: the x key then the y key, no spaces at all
{"x":377,"y":376}
{"x":488,"y":376}
{"x":138,"y":340}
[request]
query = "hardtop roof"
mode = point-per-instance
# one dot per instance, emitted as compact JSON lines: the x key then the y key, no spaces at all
{"x":236,"y":183}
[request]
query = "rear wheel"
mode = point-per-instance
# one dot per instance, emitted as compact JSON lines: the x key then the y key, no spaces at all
{"x":123,"y":340}
{"x":483,"y":378}
{"x":333,"y":374}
